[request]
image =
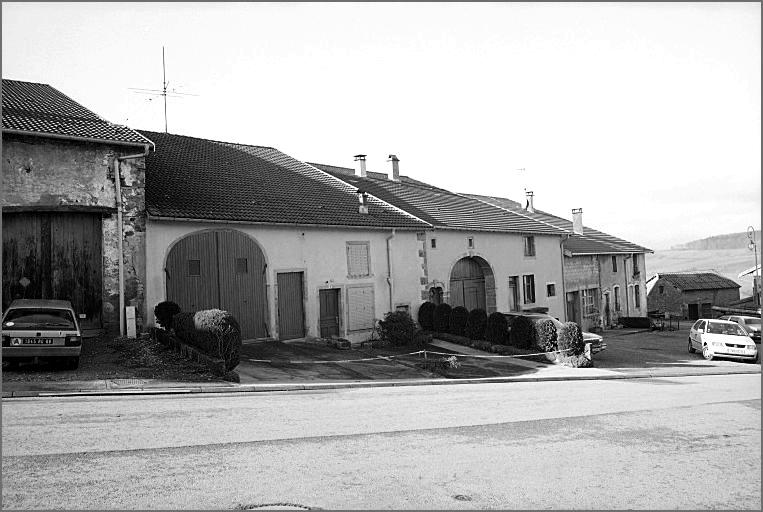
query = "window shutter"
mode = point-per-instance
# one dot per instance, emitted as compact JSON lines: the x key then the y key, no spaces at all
{"x":360,"y":301}
{"x":357,"y":259}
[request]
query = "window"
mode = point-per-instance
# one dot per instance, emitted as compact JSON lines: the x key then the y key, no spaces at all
{"x":470,"y":242}
{"x":637,"y":296}
{"x":358,"y":259}
{"x":514,"y":293}
{"x":434,"y":243}
{"x":616,"y":291}
{"x":635,"y":266}
{"x":194,"y":267}
{"x":529,"y":246}
{"x":360,"y":301}
{"x":242,"y":266}
{"x":614,"y":263}
{"x":550,"y":290}
{"x":404,"y":308}
{"x":529,"y":287}
{"x":662,"y":289}
{"x":590,"y":304}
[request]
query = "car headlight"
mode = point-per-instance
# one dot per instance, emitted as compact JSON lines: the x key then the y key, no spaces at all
{"x":716,"y":343}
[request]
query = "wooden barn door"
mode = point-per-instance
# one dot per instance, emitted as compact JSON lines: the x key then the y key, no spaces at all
{"x":291,"y":316}
{"x":57,"y":256}
{"x":329,"y":312}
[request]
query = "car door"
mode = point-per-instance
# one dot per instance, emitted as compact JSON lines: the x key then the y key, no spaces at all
{"x":695,"y":334}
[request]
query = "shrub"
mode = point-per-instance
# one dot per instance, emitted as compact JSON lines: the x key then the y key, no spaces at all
{"x":421,"y":338}
{"x":497,"y":330}
{"x":546,"y":330}
{"x":426,"y":316}
{"x":397,"y":328}
{"x":570,"y":339}
{"x":212,"y":331}
{"x":522,"y":334}
{"x":576,"y":361}
{"x":442,"y":318}
{"x":458,"y":317}
{"x":476,"y":323}
{"x":482,"y":345}
{"x":164,"y":311}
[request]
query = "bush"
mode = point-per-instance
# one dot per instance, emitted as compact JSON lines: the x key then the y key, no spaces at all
{"x":164,"y":311}
{"x":570,"y":339}
{"x":442,"y":318}
{"x":482,"y":345}
{"x":476,"y":323}
{"x":546,"y":330}
{"x":426,"y":316}
{"x":397,"y":328}
{"x":458,"y":317}
{"x":577,"y":361}
{"x":212,"y":331}
{"x":497,"y":330}
{"x":522,"y":334}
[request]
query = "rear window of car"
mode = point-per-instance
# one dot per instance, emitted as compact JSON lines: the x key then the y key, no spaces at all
{"x":730,"y":329}
{"x":752,"y":321}
{"x":34,"y":318}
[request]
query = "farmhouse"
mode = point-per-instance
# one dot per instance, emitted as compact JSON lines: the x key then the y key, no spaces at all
{"x":73,"y":206}
{"x":691,"y":295}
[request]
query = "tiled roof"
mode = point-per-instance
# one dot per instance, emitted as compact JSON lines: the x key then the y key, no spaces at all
{"x":41,"y":109}
{"x":440,"y":207}
{"x":698,"y":281}
{"x":591,"y":241}
{"x":193,"y":178}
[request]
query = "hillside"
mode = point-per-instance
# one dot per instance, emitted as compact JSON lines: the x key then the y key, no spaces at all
{"x":718,"y":242}
{"x":727,"y":262}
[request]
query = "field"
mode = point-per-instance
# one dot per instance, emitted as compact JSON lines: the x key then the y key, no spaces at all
{"x":726,"y":262}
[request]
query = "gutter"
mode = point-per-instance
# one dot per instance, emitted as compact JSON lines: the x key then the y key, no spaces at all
{"x":120,"y":231}
{"x":390,"y":280}
{"x":271,"y":224}
{"x":80,"y":139}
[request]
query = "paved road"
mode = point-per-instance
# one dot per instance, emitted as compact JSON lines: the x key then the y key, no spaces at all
{"x":689,"y":442}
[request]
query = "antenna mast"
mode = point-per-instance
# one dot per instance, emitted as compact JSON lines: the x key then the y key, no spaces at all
{"x":164,"y":90}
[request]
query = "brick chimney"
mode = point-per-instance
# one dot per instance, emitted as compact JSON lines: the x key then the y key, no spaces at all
{"x":362,"y":160}
{"x":395,"y":176}
{"x":529,"y":206}
{"x":577,"y":221}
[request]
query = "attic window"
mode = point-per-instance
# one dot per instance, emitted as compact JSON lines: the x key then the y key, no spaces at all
{"x":434,"y":243}
{"x":470,"y":242}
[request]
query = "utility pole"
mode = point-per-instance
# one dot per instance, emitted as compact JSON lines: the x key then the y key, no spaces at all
{"x":753,"y":246}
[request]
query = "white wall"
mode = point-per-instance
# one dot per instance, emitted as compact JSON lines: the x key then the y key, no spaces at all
{"x":505,"y":254}
{"x":319,"y":252}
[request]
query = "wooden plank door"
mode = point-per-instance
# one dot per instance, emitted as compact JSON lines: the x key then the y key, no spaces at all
{"x":291,"y":316}
{"x":191,"y":273}
{"x":456,"y":293}
{"x":329,"y":312}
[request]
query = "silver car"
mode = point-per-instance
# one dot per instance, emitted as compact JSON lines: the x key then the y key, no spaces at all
{"x":750,"y":323}
{"x":38,"y":328}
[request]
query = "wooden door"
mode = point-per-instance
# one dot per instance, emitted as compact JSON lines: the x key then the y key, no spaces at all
{"x":329,"y":312}
{"x":192,"y":273}
{"x":573,"y":307}
{"x":693,"y":311}
{"x":456,"y":293}
{"x":58,"y":256}
{"x":291,"y":317}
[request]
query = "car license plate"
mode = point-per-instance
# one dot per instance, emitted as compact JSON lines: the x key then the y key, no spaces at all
{"x":37,"y":341}
{"x":736,"y":351}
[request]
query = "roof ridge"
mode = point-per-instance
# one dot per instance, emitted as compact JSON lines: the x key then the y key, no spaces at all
{"x":519,"y":213}
{"x":139,"y":130}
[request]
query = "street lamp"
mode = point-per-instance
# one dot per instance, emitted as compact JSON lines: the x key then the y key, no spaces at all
{"x":753,"y":246}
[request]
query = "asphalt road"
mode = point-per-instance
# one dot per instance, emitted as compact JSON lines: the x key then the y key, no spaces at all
{"x":688,"y":442}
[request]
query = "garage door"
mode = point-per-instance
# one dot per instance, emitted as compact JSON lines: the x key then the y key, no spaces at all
{"x":222,"y":269}
{"x":54,"y":256}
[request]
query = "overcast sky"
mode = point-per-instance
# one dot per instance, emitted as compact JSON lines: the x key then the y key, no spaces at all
{"x":647,"y":116}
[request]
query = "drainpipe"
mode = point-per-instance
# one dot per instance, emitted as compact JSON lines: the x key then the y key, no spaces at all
{"x":625,"y":280}
{"x":565,"y":237}
{"x":120,"y":236}
{"x":390,"y":281}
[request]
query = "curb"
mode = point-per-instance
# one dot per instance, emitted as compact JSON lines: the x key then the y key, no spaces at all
{"x":267,"y":388}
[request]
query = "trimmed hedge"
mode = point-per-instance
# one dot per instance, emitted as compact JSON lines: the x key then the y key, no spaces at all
{"x":497,"y":330}
{"x":547,"y":334}
{"x":164,"y":311}
{"x":458,"y":317}
{"x":397,"y":328}
{"x":570,"y":338}
{"x":476,"y":323}
{"x":426,"y":316}
{"x":442,"y":317}
{"x":212,"y":331}
{"x":522,"y":334}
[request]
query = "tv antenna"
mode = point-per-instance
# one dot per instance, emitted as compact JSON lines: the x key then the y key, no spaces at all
{"x":164,"y":92}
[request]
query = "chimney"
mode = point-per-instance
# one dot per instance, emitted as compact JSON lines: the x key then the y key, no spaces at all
{"x":363,"y":200}
{"x":577,"y":221}
{"x":529,"y":206}
{"x":395,"y":168}
{"x":362,"y":159}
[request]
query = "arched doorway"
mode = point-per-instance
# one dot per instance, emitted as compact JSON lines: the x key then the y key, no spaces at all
{"x":222,"y":269}
{"x":472,"y":284}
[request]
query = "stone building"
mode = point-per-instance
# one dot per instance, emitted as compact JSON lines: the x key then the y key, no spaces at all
{"x":71,"y":229}
{"x":691,"y":295}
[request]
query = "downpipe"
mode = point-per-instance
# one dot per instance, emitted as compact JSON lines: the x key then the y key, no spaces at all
{"x":390,"y":280}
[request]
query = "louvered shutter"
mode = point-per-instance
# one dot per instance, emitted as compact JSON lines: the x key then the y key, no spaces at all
{"x":360,"y":301}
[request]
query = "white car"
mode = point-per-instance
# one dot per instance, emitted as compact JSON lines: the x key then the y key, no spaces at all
{"x":721,"y":338}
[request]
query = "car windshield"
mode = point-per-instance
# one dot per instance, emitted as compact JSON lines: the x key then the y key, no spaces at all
{"x":729,"y":329}
{"x":751,"y":321}
{"x":38,"y":318}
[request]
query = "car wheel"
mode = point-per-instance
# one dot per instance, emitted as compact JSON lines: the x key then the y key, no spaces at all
{"x":706,"y":353}
{"x":691,"y":349}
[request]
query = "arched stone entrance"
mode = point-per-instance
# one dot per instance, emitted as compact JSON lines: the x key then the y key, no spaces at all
{"x":472,"y":284}
{"x":222,"y":269}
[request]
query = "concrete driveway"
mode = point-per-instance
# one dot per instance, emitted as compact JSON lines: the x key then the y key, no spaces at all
{"x":629,"y":351}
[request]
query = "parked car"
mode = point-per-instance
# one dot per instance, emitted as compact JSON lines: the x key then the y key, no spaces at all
{"x":721,"y":338}
{"x":37,"y":328}
{"x":596,"y":341}
{"x":750,"y":323}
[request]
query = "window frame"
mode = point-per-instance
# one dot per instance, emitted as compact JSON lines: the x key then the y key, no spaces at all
{"x":528,"y":279}
{"x":553,"y":288}
{"x":529,"y":246}
{"x":367,"y":245}
{"x":614,"y":264}
{"x":470,"y":242}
